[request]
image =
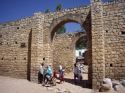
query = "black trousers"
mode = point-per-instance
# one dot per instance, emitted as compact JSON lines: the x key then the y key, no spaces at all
{"x":40,"y":77}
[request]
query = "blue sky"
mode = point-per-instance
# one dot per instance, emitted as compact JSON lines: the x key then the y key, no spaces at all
{"x":16,"y":9}
{"x":72,"y":27}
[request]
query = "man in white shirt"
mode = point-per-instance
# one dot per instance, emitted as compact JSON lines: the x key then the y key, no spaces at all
{"x":41,"y":71}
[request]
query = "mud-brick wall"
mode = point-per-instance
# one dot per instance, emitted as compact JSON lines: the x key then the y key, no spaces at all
{"x":14,"y":38}
{"x":63,"y":52}
{"x":114,"y":27}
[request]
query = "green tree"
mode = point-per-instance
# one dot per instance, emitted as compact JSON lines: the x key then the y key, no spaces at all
{"x":109,"y":0}
{"x":62,"y":29}
{"x":47,"y":11}
{"x":81,"y":43}
{"x":59,"y":7}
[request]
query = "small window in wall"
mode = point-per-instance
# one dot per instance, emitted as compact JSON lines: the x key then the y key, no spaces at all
{"x":0,"y":36}
{"x":24,"y":58}
{"x":23,"y":45}
{"x":17,"y":27}
{"x":16,"y":42}
{"x":111,"y":65}
{"x":122,"y":32}
{"x":106,"y":31}
{"x":0,"y":43}
{"x":2,"y":58}
{"x":67,"y":47}
{"x":44,"y":58}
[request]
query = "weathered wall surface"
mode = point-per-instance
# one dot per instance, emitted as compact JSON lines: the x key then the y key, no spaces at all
{"x":14,"y":48}
{"x":114,"y":28}
{"x":55,"y":20}
{"x":26,"y":43}
{"x":98,"y":59}
{"x":63,"y":52}
{"x":35,"y":34}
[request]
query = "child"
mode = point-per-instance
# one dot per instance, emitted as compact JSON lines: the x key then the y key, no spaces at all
{"x":61,"y":75}
{"x":55,"y":73}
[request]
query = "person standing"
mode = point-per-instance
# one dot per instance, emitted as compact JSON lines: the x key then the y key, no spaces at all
{"x":80,"y":67}
{"x":76,"y":73}
{"x":41,"y":70}
{"x":61,"y":73}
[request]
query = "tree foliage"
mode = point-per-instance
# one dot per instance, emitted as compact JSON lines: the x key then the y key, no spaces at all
{"x":109,"y":0}
{"x":81,"y":43}
{"x":47,"y":10}
{"x":61,"y":30}
{"x":59,"y":7}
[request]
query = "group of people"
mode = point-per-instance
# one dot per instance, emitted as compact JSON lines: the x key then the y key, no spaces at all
{"x":48,"y":75}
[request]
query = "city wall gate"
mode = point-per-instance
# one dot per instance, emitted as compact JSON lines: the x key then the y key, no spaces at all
{"x":26,"y":43}
{"x":84,"y":16}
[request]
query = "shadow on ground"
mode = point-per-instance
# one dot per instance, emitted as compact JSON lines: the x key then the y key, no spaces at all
{"x":82,"y":83}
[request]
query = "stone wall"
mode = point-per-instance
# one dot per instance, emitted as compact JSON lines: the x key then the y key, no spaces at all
{"x":114,"y":28}
{"x":98,"y":59}
{"x":26,"y":43}
{"x":14,"y":48}
{"x":64,"y":50}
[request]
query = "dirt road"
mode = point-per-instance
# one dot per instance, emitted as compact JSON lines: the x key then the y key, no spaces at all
{"x":12,"y":85}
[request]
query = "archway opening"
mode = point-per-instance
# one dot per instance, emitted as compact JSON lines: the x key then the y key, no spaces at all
{"x":65,"y":44}
{"x":60,"y":25}
{"x":81,"y":54}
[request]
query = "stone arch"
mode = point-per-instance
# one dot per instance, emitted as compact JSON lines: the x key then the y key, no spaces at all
{"x":85,"y":22}
{"x":77,"y":37}
{"x":56,"y":23}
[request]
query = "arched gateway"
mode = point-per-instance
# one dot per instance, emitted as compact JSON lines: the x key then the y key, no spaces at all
{"x":52,"y":21}
{"x":26,"y":43}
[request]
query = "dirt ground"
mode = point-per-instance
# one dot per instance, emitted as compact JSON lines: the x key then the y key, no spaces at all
{"x":12,"y":85}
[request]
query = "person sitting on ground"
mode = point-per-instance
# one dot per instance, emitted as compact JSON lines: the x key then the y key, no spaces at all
{"x":49,"y":73}
{"x":44,"y":74}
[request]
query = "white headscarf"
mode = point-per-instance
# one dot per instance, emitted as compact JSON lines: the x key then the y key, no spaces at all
{"x":60,"y":67}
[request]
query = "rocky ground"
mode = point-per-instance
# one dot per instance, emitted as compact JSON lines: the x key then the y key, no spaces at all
{"x":12,"y":85}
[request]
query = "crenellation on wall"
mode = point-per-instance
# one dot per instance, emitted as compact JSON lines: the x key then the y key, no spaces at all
{"x":112,"y":2}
